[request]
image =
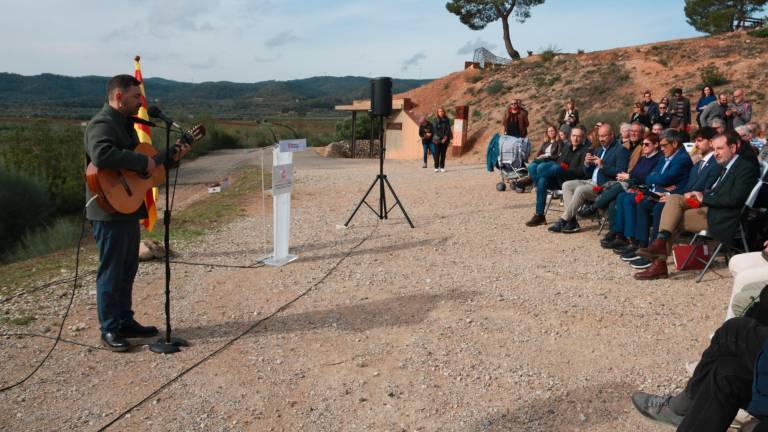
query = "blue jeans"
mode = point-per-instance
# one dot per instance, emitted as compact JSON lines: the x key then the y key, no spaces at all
{"x":429,"y":147}
{"x":620,"y":223}
{"x":536,"y":166}
{"x":118,"y":244}
{"x":643,"y":219}
{"x":546,"y":178}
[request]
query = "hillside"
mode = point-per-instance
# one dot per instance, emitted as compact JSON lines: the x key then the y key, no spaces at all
{"x":76,"y":97}
{"x":604,"y":84}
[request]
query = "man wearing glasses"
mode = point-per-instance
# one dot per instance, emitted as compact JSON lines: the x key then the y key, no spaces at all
{"x":739,"y":112}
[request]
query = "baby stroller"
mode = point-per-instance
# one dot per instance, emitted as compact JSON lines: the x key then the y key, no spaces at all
{"x":513,"y":153}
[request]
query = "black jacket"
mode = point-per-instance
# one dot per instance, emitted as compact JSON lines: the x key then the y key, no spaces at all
{"x":109,"y":142}
{"x":424,"y":129}
{"x":575,"y":161}
{"x":726,"y":201}
{"x":443,"y":129}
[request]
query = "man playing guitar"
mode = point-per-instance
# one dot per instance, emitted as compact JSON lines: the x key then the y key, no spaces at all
{"x":109,"y":142}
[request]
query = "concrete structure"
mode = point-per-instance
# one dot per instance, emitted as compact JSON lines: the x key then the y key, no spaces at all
{"x":401,"y":129}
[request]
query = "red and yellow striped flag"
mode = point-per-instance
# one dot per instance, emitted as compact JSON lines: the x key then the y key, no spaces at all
{"x":145,"y":136}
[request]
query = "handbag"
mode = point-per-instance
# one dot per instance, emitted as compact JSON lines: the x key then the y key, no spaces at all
{"x":700,"y":256}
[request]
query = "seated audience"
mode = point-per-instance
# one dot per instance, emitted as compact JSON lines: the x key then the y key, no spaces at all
{"x":657,"y":128}
{"x":638,"y":115}
{"x":602,"y":164}
{"x":750,"y":275}
{"x":718,"y":124}
{"x":721,"y":383}
{"x":664,"y":117}
{"x":633,"y":211}
{"x":716,"y":211}
{"x":569,"y":166}
{"x":636,"y":175}
{"x":548,"y":153}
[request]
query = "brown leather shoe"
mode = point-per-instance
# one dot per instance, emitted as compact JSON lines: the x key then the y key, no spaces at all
{"x":657,"y":270}
{"x":524,"y":182}
{"x":536,"y":220}
{"x":656,"y":250}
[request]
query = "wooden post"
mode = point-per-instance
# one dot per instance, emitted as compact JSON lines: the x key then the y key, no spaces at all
{"x":354,"y":123}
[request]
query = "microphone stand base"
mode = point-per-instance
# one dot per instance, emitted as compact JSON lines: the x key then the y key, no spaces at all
{"x":164,"y":346}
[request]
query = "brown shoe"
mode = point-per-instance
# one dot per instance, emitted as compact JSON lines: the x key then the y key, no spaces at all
{"x":656,"y":250}
{"x":657,"y":270}
{"x":524,"y":182}
{"x":536,"y":220}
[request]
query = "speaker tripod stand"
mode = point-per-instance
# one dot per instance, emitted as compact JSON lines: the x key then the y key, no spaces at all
{"x":381,"y":179}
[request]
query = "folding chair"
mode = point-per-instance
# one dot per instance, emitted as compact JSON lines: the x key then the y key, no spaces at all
{"x":554,"y":194}
{"x":703,"y":236}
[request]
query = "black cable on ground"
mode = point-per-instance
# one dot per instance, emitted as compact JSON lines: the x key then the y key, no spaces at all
{"x":63,"y":319}
{"x":238,"y":337}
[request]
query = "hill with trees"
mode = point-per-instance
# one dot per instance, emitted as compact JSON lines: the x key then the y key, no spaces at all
{"x":49,"y":95}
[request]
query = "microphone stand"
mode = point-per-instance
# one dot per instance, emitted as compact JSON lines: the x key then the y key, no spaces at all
{"x":167,"y":344}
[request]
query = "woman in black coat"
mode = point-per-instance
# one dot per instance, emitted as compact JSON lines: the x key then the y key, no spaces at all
{"x":443,"y":137}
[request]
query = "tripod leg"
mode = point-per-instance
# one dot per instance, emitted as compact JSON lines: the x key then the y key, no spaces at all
{"x":383,"y":213}
{"x":361,"y":202}
{"x":397,"y":201}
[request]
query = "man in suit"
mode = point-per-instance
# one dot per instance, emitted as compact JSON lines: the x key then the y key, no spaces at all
{"x":716,"y":211}
{"x":669,"y":174}
{"x":109,"y":142}
{"x":600,"y":165}
{"x":648,"y":214}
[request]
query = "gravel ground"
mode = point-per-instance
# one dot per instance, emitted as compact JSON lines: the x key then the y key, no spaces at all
{"x":470,"y":322}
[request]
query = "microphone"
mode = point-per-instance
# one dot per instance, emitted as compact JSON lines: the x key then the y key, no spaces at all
{"x":141,"y":121}
{"x":155,"y":112}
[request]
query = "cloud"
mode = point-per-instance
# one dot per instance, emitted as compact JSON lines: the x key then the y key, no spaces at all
{"x":204,"y":65}
{"x":280,"y":39}
{"x":470,"y":47}
{"x":266,"y":59}
{"x":414,"y":60}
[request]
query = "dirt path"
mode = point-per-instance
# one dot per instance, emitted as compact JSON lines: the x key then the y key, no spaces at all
{"x":470,"y":322}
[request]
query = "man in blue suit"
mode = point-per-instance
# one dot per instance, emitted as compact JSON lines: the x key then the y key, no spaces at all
{"x":669,"y":174}
{"x":701,"y":177}
{"x":601,"y":165}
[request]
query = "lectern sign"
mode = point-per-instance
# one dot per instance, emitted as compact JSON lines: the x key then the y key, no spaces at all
{"x":282,"y":179}
{"x":293,"y":145}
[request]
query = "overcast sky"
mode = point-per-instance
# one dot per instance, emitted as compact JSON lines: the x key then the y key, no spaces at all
{"x":257,"y":40}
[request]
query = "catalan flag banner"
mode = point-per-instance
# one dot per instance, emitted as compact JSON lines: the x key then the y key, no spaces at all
{"x":145,"y":136}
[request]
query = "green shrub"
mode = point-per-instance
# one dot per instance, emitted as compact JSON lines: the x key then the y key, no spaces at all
{"x":711,"y":76}
{"x":549,"y":53}
{"x":494,"y":88}
{"x":24,"y":205}
{"x":362,"y":128}
{"x":62,"y":234}
{"x":762,"y":32}
{"x":476,"y":115}
{"x":579,"y":51}
{"x":614,"y":118}
{"x":53,"y":154}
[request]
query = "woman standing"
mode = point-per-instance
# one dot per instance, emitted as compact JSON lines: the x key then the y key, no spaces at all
{"x":707,"y":97}
{"x":426,"y":132}
{"x":639,"y":116}
{"x":443,"y":137}
{"x":569,"y":115}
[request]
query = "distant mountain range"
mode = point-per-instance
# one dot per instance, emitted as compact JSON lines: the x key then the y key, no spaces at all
{"x":49,"y":95}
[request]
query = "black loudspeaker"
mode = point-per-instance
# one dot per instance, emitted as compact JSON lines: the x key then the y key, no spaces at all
{"x":381,"y":96}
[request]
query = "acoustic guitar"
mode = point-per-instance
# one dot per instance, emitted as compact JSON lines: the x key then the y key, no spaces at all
{"x":123,"y":191}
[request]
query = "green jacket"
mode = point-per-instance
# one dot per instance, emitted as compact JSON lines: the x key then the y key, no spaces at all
{"x":109,"y":142}
{"x":727,"y":199}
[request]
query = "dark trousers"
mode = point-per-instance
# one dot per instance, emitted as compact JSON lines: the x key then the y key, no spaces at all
{"x":722,"y":382}
{"x":546,"y":178}
{"x":429,"y":147}
{"x":118,"y":244}
{"x":440,"y":152}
